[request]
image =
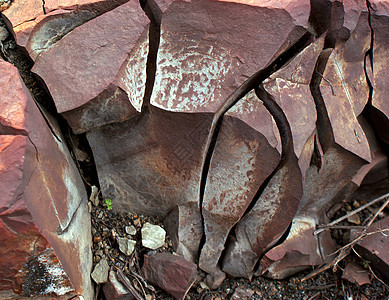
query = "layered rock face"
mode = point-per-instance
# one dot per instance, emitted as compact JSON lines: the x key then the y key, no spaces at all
{"x":239,"y":123}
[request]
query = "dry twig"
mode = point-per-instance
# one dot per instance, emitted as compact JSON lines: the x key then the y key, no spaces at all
{"x":322,"y":228}
{"x":345,"y":250}
{"x":123,"y":279}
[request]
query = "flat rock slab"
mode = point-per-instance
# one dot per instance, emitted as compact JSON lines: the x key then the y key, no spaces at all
{"x":170,"y":272}
{"x":100,"y":272}
{"x":153,"y":236}
{"x":374,"y":247}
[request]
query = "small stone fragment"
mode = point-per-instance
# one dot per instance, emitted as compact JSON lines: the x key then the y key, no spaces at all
{"x":153,"y":236}
{"x":356,"y":274}
{"x":131,"y":230}
{"x":354,"y":219}
{"x":242,"y":294}
{"x":100,"y":272}
{"x":126,"y":245}
{"x":3,"y":33}
{"x":170,"y":272}
{"x":94,"y":196}
{"x":113,"y":289}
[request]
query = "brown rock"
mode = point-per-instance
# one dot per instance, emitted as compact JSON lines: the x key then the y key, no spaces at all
{"x":242,"y":294}
{"x":113,"y":289}
{"x":44,"y":191}
{"x":374,"y":247}
{"x":170,"y":272}
{"x":356,"y":274}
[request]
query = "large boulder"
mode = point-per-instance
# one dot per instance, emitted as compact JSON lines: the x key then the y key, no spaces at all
{"x":43,"y":199}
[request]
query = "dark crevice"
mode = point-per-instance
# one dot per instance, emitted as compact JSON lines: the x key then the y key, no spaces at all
{"x":250,"y":84}
{"x":43,"y":7}
{"x":8,"y":130}
{"x":154,"y":14}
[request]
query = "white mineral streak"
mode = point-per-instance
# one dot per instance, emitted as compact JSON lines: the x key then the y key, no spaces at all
{"x":188,"y":79}
{"x":134,"y":81}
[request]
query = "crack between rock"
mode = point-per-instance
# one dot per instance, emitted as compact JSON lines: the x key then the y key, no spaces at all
{"x":369,"y":56}
{"x":251,"y":83}
{"x":154,"y":14}
{"x":43,"y":7}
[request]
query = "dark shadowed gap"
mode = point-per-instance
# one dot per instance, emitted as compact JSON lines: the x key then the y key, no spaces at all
{"x":154,"y":14}
{"x":239,"y":93}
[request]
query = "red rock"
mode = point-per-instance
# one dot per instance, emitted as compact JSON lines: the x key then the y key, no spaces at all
{"x":374,"y":247}
{"x":215,"y":60}
{"x":356,"y":274}
{"x":75,"y":77}
{"x":37,"y":29}
{"x":242,"y":294}
{"x":171,"y":273}
{"x":45,"y":196}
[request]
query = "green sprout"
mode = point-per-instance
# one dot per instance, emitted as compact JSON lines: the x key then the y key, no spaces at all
{"x":108,"y":203}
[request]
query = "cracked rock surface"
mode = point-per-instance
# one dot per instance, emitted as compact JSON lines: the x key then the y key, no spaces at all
{"x":238,"y":123}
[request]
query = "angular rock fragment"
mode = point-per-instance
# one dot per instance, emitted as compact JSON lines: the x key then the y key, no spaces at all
{"x":126,"y":245}
{"x":44,"y":196}
{"x":97,"y":85}
{"x":374,"y":247}
{"x":356,"y":274}
{"x":170,"y":272}
{"x":242,"y":294}
{"x":100,"y":272}
{"x":153,"y":236}
{"x":113,"y":289}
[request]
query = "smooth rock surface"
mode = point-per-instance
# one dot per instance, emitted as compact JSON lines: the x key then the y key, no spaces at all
{"x":170,"y":272}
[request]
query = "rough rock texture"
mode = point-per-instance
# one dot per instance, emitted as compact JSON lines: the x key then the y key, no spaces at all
{"x":43,"y":197}
{"x":96,"y":84}
{"x":239,"y":123}
{"x":374,"y":248}
{"x":171,"y":272}
{"x":113,"y":289}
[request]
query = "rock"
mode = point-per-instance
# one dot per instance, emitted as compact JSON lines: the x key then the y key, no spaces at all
{"x":153,"y":236}
{"x":126,"y":245}
{"x":100,"y":272}
{"x":171,"y":273}
{"x":131,"y":230}
{"x":240,"y":293}
{"x":3,"y":33}
{"x":113,"y":289}
{"x":373,"y":248}
{"x":92,"y":83}
{"x":37,"y":29}
{"x":356,"y":274}
{"x":44,"y":196}
{"x":94,"y":196}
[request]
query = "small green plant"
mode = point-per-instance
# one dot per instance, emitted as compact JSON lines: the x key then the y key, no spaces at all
{"x":108,"y":203}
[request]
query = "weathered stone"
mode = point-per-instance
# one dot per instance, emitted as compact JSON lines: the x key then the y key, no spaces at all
{"x":153,"y":236}
{"x":221,"y":67}
{"x":131,"y":230}
{"x":380,"y":26}
{"x":356,"y":274}
{"x":44,"y":191}
{"x":242,"y":294}
{"x":155,"y":167}
{"x":3,"y":33}
{"x":38,"y":26}
{"x":100,"y":272}
{"x":273,"y":209}
{"x":170,"y":272}
{"x":126,"y":245}
{"x":374,"y":247}
{"x":113,"y":289}
{"x":244,"y":157}
{"x":87,"y":82}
